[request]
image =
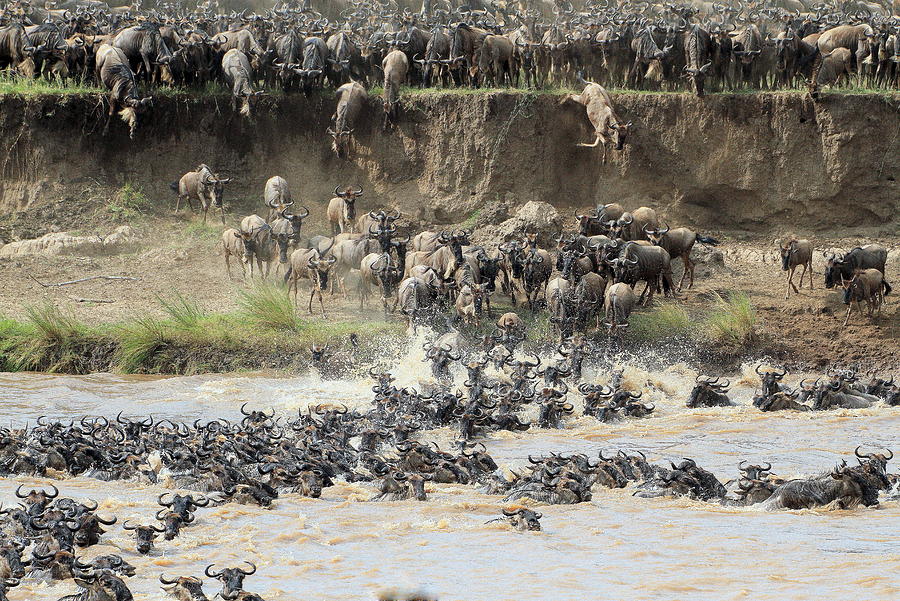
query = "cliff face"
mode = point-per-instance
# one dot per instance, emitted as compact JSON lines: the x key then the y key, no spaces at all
{"x":759,"y":163}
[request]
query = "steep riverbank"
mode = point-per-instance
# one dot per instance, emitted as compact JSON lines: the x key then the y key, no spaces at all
{"x":747,"y":163}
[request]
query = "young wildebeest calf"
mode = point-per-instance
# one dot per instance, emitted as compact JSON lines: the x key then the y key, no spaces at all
{"x":867,"y":285}
{"x":203,"y":185}
{"x":607,"y":125}
{"x":793,"y":253}
{"x":236,"y":244}
{"x":342,"y":210}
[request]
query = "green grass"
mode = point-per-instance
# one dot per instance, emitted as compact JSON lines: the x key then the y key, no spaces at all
{"x":665,"y":320}
{"x":471,"y":220}
{"x":139,"y":342}
{"x":269,"y":306}
{"x":733,"y":319}
{"x":208,"y":232}
{"x":12,"y":85}
{"x":186,"y":313}
{"x":129,"y":202}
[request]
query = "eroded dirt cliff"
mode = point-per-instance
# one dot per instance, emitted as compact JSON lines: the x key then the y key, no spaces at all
{"x":761,"y":163}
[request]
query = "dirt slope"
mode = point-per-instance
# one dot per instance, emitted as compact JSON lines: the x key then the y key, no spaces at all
{"x":756,"y":164}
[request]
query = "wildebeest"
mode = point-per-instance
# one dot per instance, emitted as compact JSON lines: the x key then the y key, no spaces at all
{"x":309,"y":263}
{"x":650,"y":264}
{"x":844,"y":487}
{"x":793,"y":253}
{"x":261,"y":244}
{"x":607,"y":125}
{"x":117,"y":77}
{"x":183,"y":588}
{"x":237,"y":72}
{"x":206,"y":187}
{"x":277,"y":196}
{"x":345,"y":61}
{"x":232,"y":579}
{"x":839,"y":267}
{"x":396,"y":67}
{"x":145,"y":47}
{"x":697,"y":48}
{"x":350,"y":99}
{"x":679,"y":243}
{"x":315,"y":56}
{"x":523,"y":518}
{"x":865,"y":285}
{"x":144,"y":536}
{"x":341,"y":210}
{"x":709,"y":392}
{"x":497,"y":64}
{"x":619,"y":302}
{"x":288,"y":56}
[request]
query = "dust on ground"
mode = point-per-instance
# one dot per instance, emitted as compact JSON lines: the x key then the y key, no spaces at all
{"x":178,"y":254}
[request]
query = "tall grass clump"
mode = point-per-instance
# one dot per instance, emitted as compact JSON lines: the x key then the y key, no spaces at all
{"x":733,"y":319}
{"x":50,"y":343}
{"x":139,"y":342}
{"x":186,"y":313}
{"x":269,"y":306}
{"x":666,"y":320}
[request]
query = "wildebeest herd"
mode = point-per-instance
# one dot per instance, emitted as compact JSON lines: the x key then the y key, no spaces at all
{"x":699,"y":45}
{"x":591,"y":273}
{"x":386,"y":447}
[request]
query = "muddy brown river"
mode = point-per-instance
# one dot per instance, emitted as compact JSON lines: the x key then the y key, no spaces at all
{"x":617,"y":546}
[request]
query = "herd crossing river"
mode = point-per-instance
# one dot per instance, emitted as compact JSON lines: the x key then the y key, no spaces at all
{"x":614,"y":546}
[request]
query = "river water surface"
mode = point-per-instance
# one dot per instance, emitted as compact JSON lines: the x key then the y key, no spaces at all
{"x":614,"y":547}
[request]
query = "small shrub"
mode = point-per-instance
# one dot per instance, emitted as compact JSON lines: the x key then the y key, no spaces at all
{"x":129,"y":202}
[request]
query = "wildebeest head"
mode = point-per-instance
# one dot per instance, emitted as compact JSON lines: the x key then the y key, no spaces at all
{"x":183,"y":588}
{"x":214,"y":186}
{"x":854,"y":488}
{"x":349,"y":196}
{"x":115,"y":564}
{"x":770,"y":380}
{"x":489,"y":269}
{"x":620,"y":133}
{"x":514,"y":256}
{"x":836,"y":268}
{"x":232,"y":579}
{"x":524,"y":519}
{"x":320,"y":267}
{"x":248,"y":242}
{"x":788,"y":248}
{"x":36,"y":501}
{"x":90,"y":529}
{"x":697,"y":76}
{"x":103,"y":584}
{"x":5,"y":585}
{"x":143,"y":536}
{"x":340,"y":142}
{"x":62,"y":531}
{"x":588,"y":224}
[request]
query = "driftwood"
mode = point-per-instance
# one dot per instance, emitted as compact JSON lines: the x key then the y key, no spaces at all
{"x":88,"y":279}
{"x":91,"y":300}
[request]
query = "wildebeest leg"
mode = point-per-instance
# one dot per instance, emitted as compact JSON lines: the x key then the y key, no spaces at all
{"x":790,"y":284}
{"x":810,"y":276}
{"x":802,"y":275}
{"x":849,"y":308}
{"x":688,"y":266}
{"x":596,"y":143}
{"x":222,"y":212}
{"x":321,"y":302}
{"x":228,"y":264}
{"x":112,"y":110}
{"x":312,"y":293}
